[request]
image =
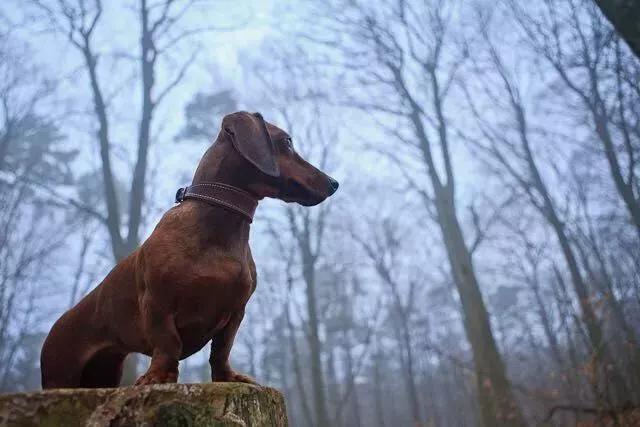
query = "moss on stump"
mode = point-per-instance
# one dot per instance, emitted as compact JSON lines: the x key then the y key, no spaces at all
{"x":164,"y":405}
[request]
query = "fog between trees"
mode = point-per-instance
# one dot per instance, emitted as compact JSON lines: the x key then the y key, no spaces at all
{"x":479,"y":263}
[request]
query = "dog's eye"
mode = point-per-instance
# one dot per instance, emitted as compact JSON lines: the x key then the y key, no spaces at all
{"x":289,"y":143}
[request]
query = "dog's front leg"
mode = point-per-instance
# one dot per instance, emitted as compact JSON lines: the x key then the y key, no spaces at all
{"x":166,"y":344}
{"x":221,"y":348}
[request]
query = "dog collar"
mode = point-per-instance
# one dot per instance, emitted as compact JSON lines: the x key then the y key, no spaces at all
{"x":216,"y":193}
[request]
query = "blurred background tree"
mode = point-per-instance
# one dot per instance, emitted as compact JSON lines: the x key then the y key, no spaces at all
{"x":479,"y":265}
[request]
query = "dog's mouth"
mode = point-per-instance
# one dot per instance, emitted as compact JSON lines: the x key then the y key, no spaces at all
{"x":298,"y":193}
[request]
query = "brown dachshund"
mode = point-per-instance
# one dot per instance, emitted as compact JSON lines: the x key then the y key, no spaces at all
{"x":189,"y":282}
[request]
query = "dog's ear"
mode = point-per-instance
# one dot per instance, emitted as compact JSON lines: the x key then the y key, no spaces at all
{"x":250,"y":137}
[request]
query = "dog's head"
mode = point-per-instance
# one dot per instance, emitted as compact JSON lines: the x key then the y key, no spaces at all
{"x":280,"y":172}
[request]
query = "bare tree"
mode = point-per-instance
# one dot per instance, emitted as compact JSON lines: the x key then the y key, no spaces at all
{"x":309,"y":235}
{"x":382,"y":248}
{"x":287,"y":250}
{"x":33,"y":227}
{"x":623,"y":15}
{"x":297,"y":104}
{"x":485,"y":222}
{"x":514,"y":153}
{"x":579,"y":46}
{"x":160,"y":34}
{"x":159,"y":27}
{"x":401,"y":53}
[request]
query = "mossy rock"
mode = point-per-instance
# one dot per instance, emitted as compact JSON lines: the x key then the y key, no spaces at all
{"x":165,"y":405}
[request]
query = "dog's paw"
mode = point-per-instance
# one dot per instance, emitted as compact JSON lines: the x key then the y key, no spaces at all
{"x":155,"y":377}
{"x":241,"y":378}
{"x":234,"y":377}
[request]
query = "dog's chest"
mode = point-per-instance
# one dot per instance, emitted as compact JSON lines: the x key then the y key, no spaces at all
{"x":209,"y":298}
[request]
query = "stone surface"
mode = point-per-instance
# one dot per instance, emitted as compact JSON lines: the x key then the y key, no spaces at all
{"x":164,"y":405}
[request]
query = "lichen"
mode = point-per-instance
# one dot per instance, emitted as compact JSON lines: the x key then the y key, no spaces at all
{"x":175,"y":415}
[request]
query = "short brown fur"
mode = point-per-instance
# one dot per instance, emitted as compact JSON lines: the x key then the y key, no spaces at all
{"x":190,"y":281}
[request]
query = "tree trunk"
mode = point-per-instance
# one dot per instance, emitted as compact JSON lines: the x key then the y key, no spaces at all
{"x":306,"y":410}
{"x":546,"y":324}
{"x":210,"y":404}
{"x":497,"y":402}
{"x":320,"y":404}
{"x":407,"y":367}
{"x":604,"y":280}
{"x":377,"y":387}
{"x":352,"y":380}
{"x":601,"y":354}
{"x":625,"y":189}
{"x":147,"y":63}
{"x":624,"y":15}
{"x":108,"y":182}
{"x":308,"y":260}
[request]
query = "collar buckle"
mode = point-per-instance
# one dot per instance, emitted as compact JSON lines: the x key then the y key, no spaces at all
{"x":180,"y":194}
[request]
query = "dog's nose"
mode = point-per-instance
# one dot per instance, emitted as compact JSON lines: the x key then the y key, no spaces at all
{"x":333,"y":185}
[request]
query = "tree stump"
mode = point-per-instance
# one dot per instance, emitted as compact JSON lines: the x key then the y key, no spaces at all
{"x":163,"y":405}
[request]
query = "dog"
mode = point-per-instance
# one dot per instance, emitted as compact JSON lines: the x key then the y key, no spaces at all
{"x":189,"y":282}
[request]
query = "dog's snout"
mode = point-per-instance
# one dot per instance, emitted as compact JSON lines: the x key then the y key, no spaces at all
{"x":333,"y":185}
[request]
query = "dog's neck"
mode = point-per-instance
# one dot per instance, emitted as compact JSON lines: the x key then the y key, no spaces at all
{"x":217,"y":227}
{"x":220,"y":165}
